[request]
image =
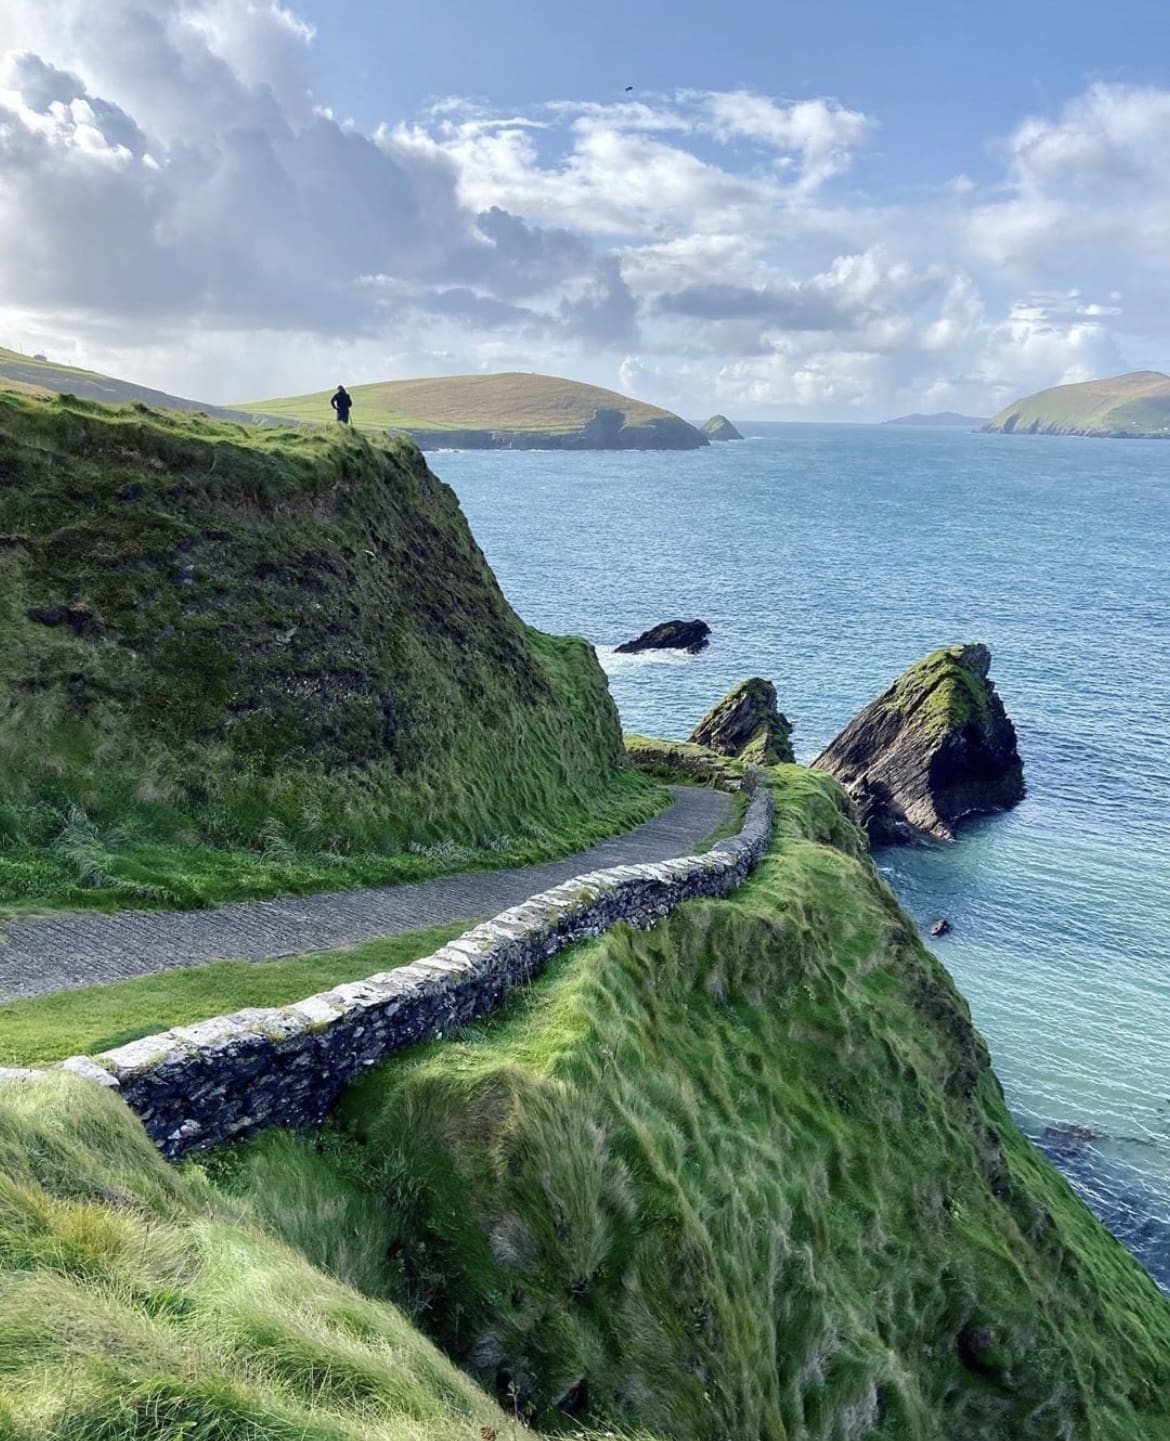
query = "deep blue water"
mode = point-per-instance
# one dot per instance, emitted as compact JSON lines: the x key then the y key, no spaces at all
{"x":828,"y":558}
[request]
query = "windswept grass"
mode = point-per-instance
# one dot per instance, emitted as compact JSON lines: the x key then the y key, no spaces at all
{"x":238,"y":661}
{"x":138,"y":1304}
{"x":746,"y":1175}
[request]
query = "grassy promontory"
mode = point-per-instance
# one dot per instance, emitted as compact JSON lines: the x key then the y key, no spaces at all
{"x":749,"y":1174}
{"x":515,"y":409}
{"x":1134,"y":406}
{"x":236,"y":661}
{"x":746,"y":1175}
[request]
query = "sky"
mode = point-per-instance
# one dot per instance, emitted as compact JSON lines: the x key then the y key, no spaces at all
{"x":830,"y":211}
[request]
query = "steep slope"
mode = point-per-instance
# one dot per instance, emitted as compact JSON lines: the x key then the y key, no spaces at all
{"x":509,"y":411}
{"x":1135,"y":406}
{"x":137,"y":1304}
{"x":287,"y":641}
{"x":29,"y":376}
{"x":720,"y":428}
{"x":746,"y":1175}
{"x":933,"y":748}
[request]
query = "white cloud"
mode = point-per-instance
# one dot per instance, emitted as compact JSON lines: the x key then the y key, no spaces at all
{"x":696,"y":247}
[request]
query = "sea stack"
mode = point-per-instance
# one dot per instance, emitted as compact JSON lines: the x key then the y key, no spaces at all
{"x":746,"y":724}
{"x":720,"y":428}
{"x":935,"y":747}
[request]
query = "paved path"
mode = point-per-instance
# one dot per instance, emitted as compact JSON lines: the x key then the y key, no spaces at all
{"x":60,"y":953}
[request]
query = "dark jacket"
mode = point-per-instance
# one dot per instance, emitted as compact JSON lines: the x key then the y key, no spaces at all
{"x":342,"y":403}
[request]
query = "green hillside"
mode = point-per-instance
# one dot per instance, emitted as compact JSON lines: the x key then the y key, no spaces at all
{"x":1126,"y":406}
{"x":515,"y":404}
{"x":746,"y":1175}
{"x":25,"y":375}
{"x":237,"y":661}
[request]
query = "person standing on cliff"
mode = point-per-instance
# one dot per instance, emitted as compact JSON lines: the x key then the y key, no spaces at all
{"x":342,"y":403}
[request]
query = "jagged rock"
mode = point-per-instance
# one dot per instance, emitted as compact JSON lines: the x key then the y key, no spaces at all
{"x":688,"y":635}
{"x":746,"y":724}
{"x":720,"y":428}
{"x":935,"y":747}
{"x":941,"y":927}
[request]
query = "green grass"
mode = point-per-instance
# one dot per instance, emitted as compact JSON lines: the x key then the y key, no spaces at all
{"x":748,"y":1174}
{"x":1137,"y":404}
{"x":942,"y":695}
{"x":137,"y":1303}
{"x":236,"y":661}
{"x":515,"y":401}
{"x":45,"y":1029}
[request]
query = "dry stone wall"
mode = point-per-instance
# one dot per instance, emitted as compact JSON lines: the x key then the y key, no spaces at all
{"x":198,"y":1086}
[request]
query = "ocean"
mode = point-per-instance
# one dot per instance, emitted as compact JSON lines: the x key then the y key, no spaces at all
{"x":828,"y":558}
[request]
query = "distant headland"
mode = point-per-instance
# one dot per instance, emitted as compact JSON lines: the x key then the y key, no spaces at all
{"x":512,"y":411}
{"x":1124,"y":407}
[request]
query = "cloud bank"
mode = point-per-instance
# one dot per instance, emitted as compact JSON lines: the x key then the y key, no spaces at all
{"x":178,"y":204}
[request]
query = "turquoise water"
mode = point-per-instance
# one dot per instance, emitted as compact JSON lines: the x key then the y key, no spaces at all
{"x":827,"y":558}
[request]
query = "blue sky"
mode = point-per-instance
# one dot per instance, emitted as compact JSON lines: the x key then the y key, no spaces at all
{"x":833,"y":211}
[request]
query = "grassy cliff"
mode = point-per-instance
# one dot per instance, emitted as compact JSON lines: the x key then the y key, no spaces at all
{"x":512,"y":406}
{"x":1136,"y":405}
{"x":235,"y":661}
{"x":749,"y":1174}
{"x":746,"y":1175}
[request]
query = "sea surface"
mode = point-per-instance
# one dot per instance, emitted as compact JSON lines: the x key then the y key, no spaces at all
{"x":828,"y":558}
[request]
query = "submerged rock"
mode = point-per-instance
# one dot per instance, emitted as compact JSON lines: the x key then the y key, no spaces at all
{"x":747,"y":724}
{"x":688,"y":635}
{"x":720,"y":428}
{"x":935,"y":747}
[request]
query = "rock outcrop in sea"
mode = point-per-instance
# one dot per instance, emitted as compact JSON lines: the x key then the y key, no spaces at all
{"x":935,"y":747}
{"x":688,"y":635}
{"x":720,"y":428}
{"x":747,"y":724}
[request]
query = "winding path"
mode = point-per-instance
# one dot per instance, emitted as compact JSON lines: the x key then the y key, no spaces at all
{"x":60,"y":953}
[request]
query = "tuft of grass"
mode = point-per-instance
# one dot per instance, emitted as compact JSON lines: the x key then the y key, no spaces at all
{"x":45,"y":1029}
{"x":236,"y":661}
{"x":942,"y":695}
{"x":138,"y":1303}
{"x":748,"y":1174}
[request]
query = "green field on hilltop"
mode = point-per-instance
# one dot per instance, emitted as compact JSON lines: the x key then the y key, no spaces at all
{"x":516,"y":401}
{"x":236,"y":661}
{"x":748,"y":1174}
{"x":1136,"y":405}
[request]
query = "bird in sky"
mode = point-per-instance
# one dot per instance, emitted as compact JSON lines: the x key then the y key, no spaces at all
{"x":628,"y":89}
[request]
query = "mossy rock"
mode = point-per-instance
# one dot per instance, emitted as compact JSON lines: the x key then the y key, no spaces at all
{"x":746,"y":724}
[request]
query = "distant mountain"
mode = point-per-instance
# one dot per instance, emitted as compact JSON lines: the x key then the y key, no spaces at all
{"x":941,"y":417}
{"x":513,"y":411}
{"x":1134,"y":406}
{"x":42,"y":377}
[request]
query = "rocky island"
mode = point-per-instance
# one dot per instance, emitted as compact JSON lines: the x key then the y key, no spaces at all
{"x":935,"y":747}
{"x":689,"y":635}
{"x":1126,"y":407}
{"x":720,"y":428}
{"x":512,"y":411}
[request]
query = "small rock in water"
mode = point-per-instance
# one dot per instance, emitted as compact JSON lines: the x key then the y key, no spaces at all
{"x":941,"y":927}
{"x":688,"y":635}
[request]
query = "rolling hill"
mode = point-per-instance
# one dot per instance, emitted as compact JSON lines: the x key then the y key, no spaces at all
{"x":1134,"y":406}
{"x":510,"y":411}
{"x":29,"y":376}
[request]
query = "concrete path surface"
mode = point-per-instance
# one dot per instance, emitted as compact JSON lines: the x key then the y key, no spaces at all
{"x":62,"y":952}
